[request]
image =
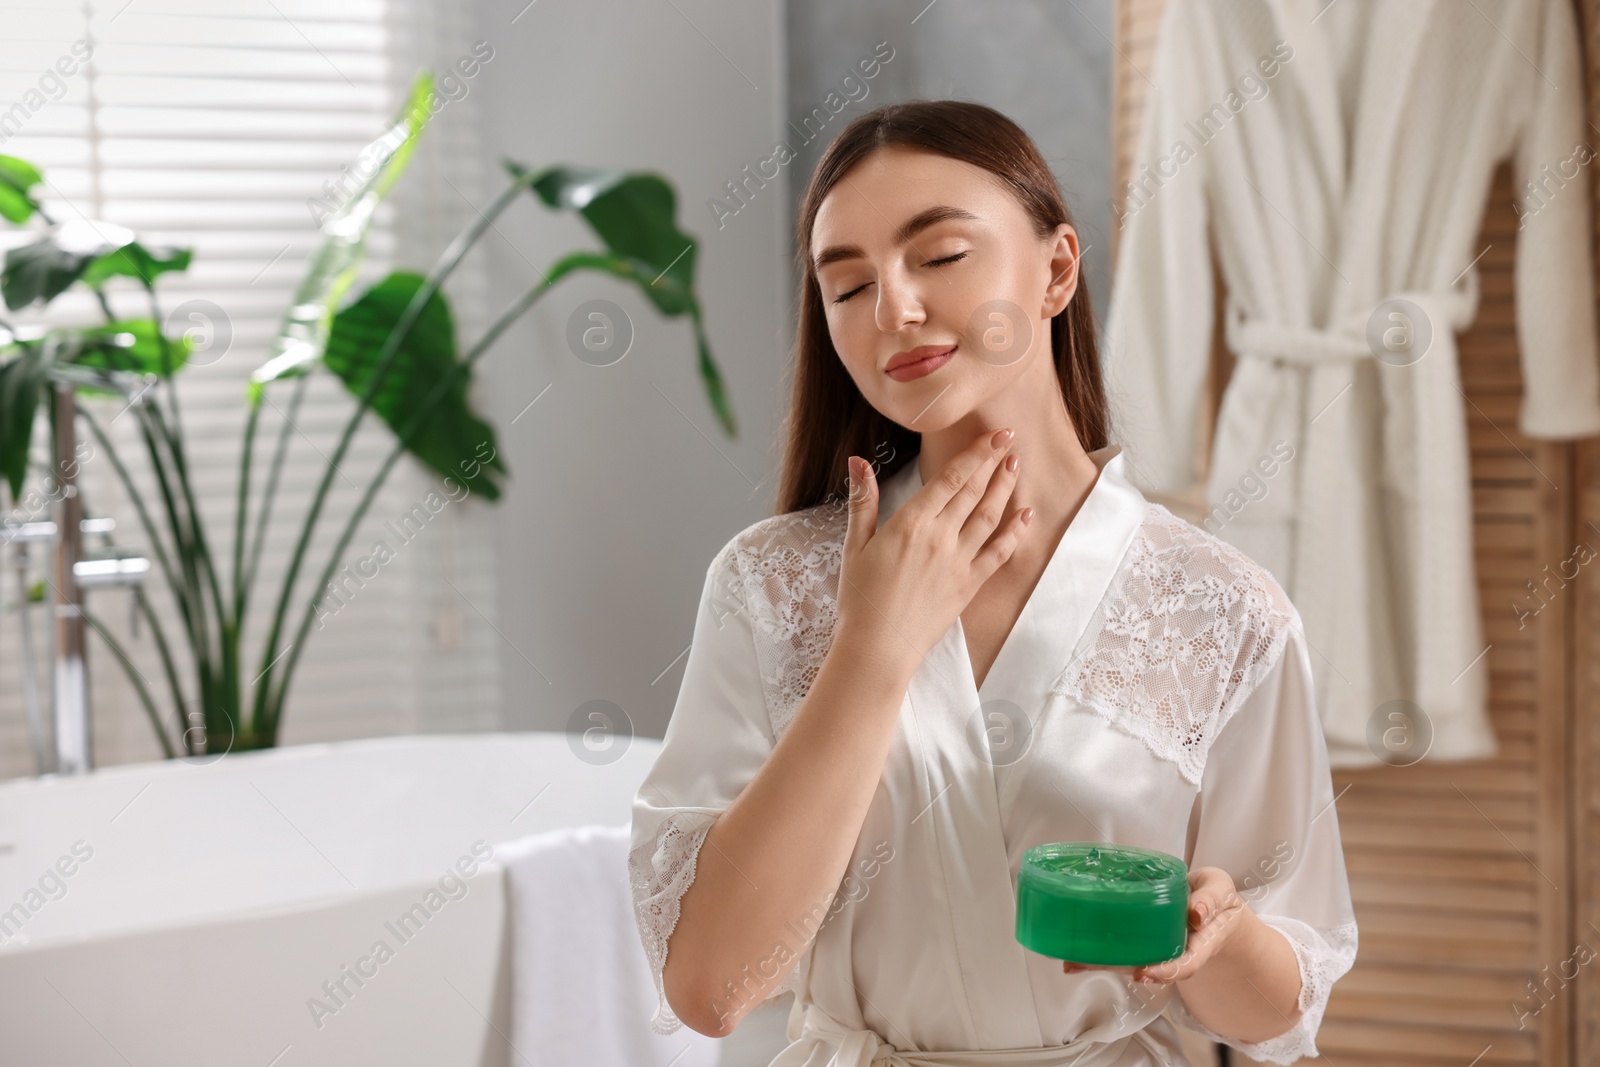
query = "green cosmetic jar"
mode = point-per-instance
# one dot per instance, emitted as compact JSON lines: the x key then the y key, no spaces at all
{"x":1107,"y":905}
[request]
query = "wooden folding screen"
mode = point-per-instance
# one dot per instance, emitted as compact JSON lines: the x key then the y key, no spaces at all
{"x":1475,"y":882}
{"x":1584,"y":765}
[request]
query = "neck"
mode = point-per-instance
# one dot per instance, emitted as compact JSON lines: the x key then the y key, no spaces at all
{"x":1056,"y":474}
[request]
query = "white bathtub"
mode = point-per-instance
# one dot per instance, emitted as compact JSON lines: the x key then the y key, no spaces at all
{"x":207,"y":903}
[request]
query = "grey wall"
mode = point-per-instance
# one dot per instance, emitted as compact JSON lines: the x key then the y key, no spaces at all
{"x":1044,"y":64}
{"x":623,"y":486}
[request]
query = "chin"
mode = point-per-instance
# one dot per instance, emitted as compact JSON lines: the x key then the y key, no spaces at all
{"x":930,"y":416}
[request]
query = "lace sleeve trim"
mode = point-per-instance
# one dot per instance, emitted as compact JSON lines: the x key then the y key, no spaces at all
{"x":1188,"y":627}
{"x":661,"y":870}
{"x":1324,"y":954}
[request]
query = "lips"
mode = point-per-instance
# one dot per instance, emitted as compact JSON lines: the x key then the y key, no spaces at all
{"x":918,"y":362}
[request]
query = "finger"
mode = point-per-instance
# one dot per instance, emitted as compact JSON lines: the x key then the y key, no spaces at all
{"x":1002,"y":545}
{"x":961,"y":505}
{"x":1175,"y":970}
{"x":862,"y":521}
{"x":962,"y":481}
{"x":1211,"y":895}
{"x":1179,"y":967}
{"x":991,"y":508}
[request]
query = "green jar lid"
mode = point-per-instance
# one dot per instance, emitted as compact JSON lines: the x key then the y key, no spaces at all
{"x":1109,"y":905}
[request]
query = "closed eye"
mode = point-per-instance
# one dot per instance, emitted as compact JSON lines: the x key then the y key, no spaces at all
{"x":841,"y":298}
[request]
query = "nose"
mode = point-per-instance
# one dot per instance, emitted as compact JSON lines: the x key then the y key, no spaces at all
{"x":899,"y":302}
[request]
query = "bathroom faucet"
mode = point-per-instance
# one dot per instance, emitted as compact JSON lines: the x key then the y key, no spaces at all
{"x":73,"y":575}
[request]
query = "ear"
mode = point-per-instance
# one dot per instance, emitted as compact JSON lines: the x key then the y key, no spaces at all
{"x":1063,"y":282}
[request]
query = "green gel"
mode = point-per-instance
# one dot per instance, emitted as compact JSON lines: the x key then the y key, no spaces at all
{"x":1101,"y":904}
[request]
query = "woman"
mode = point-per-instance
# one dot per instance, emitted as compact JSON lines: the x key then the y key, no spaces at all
{"x":990,"y":642}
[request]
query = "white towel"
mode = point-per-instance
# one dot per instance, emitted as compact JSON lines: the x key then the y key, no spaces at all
{"x":582,"y":992}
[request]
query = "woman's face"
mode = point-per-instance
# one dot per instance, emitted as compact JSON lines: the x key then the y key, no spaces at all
{"x":967,"y":276}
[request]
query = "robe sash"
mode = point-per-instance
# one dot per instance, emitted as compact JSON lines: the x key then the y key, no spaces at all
{"x":864,"y":1048}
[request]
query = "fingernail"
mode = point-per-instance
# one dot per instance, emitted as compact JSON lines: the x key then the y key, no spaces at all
{"x":1012,"y":462}
{"x":1027,"y":516}
{"x":1002,"y":438}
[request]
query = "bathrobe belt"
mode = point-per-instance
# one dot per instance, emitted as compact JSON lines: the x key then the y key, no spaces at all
{"x":1447,"y":311}
{"x":864,"y":1048}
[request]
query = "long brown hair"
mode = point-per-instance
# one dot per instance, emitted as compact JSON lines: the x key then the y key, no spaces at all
{"x":829,"y":420}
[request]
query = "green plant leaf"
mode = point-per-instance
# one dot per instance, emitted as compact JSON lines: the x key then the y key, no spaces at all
{"x":23,"y":380}
{"x":452,"y":439}
{"x":303,"y":333}
{"x":136,"y":261}
{"x":17,"y":178}
{"x":634,"y":214}
{"x":43,"y":269}
{"x":39,"y":271}
{"x":131,"y":344}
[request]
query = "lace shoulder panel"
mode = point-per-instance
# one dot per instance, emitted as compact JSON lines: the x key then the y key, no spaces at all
{"x":1188,"y":625}
{"x":788,"y":566}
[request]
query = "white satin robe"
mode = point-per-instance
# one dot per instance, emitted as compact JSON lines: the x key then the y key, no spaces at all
{"x":1155,"y":691}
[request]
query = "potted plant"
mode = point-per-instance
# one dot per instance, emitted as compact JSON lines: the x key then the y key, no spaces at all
{"x":394,"y":348}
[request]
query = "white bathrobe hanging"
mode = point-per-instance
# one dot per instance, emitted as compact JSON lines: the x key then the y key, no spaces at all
{"x":1338,"y":158}
{"x":1155,"y":691}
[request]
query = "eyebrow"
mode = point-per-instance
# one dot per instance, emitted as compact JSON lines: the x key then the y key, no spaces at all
{"x":913,"y":226}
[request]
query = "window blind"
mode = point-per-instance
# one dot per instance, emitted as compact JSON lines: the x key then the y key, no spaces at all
{"x":221,"y":126}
